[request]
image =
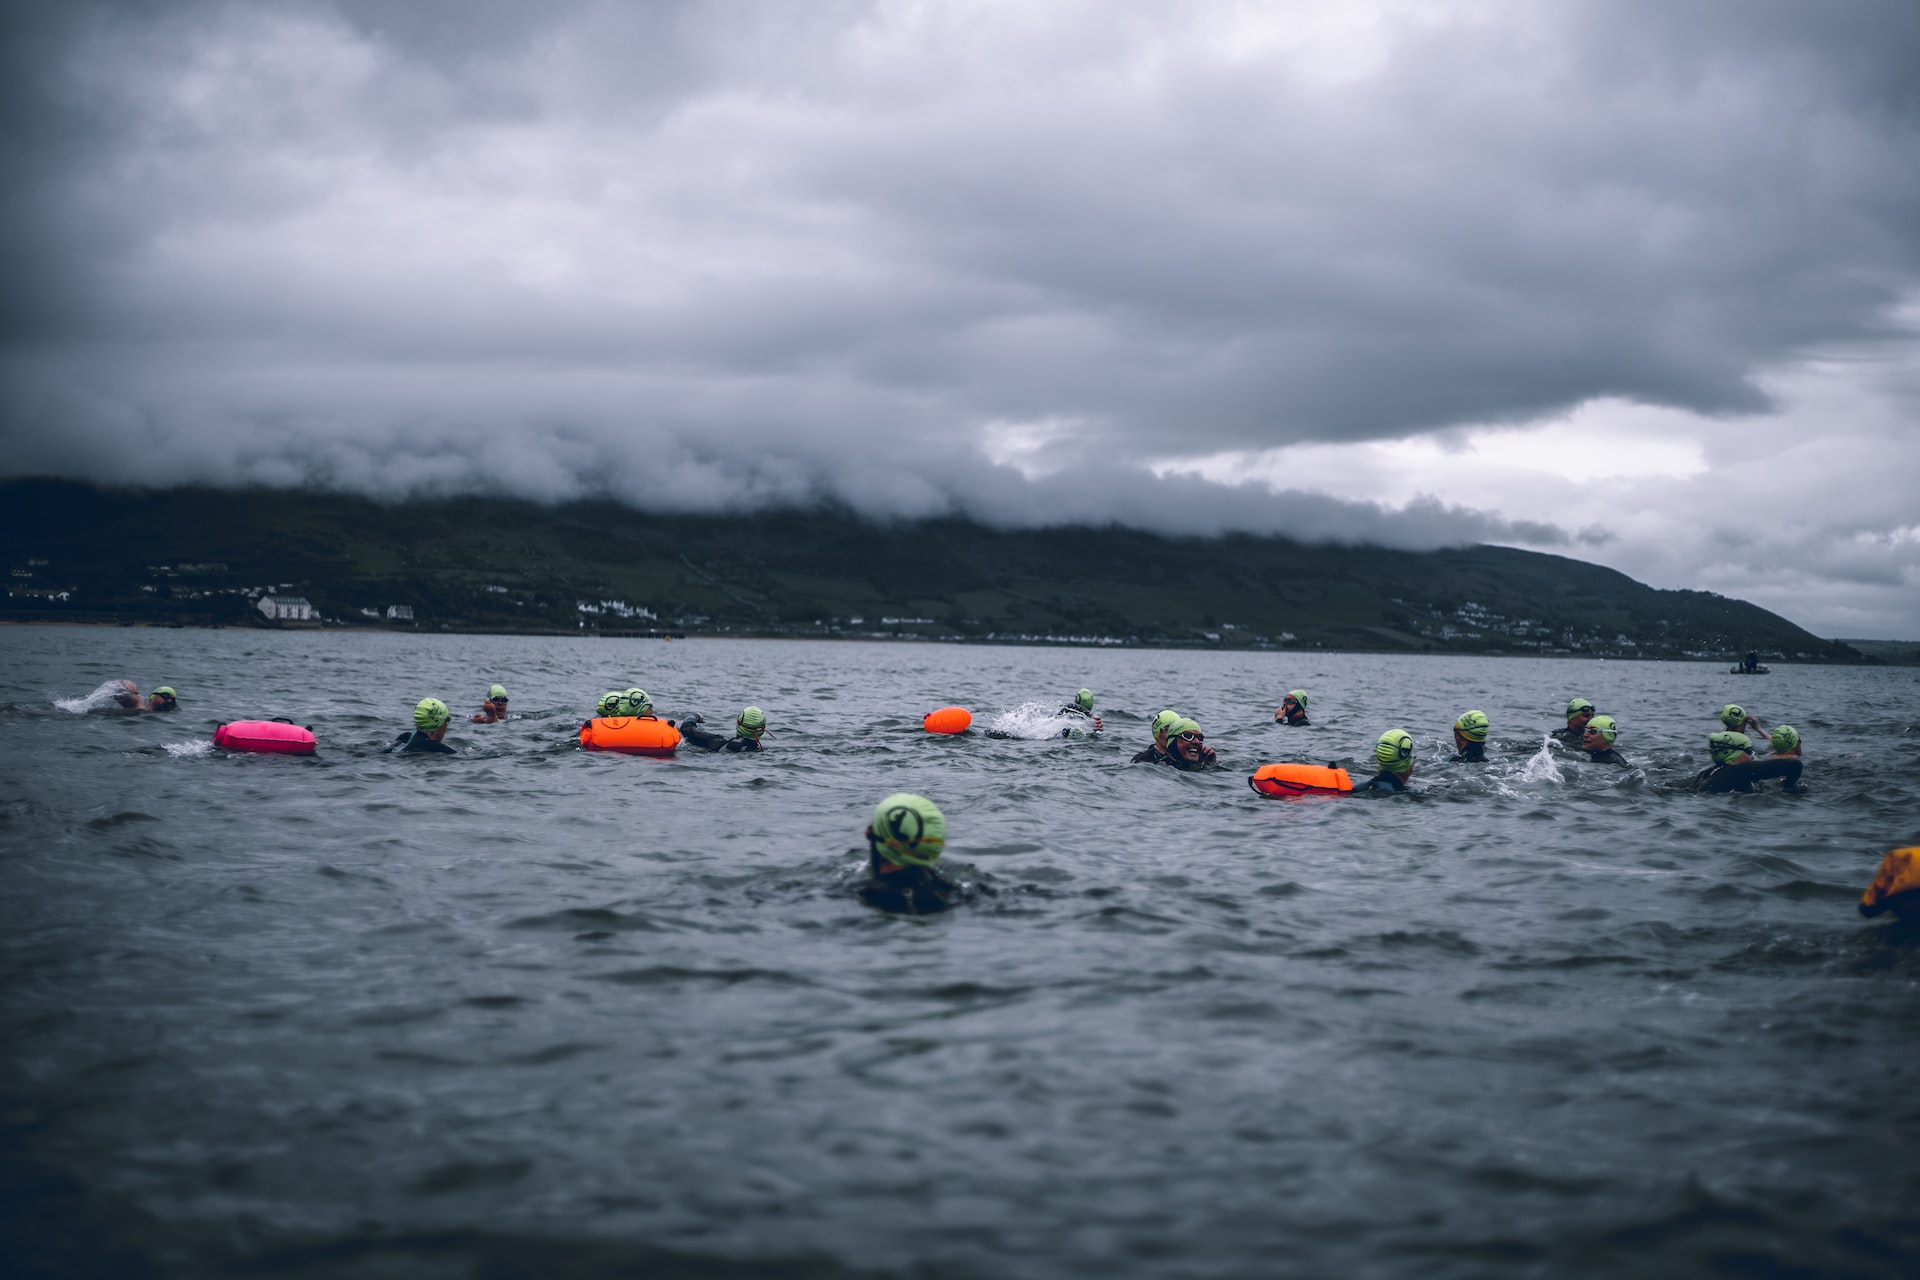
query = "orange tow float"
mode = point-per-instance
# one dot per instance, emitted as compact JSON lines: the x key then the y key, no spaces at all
{"x":948,"y":720}
{"x":1286,"y":780}
{"x":630,"y":735}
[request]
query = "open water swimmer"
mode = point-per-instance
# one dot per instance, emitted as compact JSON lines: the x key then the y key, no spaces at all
{"x":1737,"y":720}
{"x":494,"y":708}
{"x":1081,"y":709}
{"x":1394,"y":754}
{"x":430,"y":718}
{"x":1579,"y":711}
{"x":1470,"y":737}
{"x":1735,"y":769}
{"x":748,"y":729}
{"x":1293,"y":708}
{"x":905,"y":839}
{"x":1598,"y":741}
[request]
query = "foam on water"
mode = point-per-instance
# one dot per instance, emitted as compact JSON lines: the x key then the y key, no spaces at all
{"x":107,"y":695}
{"x":1033,"y":721}
{"x":187,"y":750}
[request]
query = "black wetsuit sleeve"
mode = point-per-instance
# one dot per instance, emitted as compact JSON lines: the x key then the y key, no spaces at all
{"x":1145,"y":757}
{"x":697,"y":737}
{"x":1383,"y":781}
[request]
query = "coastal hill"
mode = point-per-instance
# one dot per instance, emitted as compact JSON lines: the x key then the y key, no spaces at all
{"x":208,"y":557}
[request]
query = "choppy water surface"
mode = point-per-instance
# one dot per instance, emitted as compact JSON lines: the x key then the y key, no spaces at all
{"x":563,"y":1013}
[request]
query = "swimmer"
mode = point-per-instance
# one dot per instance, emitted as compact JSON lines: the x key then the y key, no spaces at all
{"x":1470,"y":737}
{"x":1081,"y":708}
{"x":1186,"y":748}
{"x":1394,"y":751}
{"x":1735,"y":717}
{"x":430,"y":718}
{"x":127,"y":697}
{"x":1156,"y":751}
{"x":1895,"y":887}
{"x":746,"y":732}
{"x":494,"y":708}
{"x":163,"y":699}
{"x":904,"y":840}
{"x":1752,"y":661}
{"x":1735,"y":769}
{"x":1579,"y":711}
{"x":1785,"y":740}
{"x":1293,"y":708}
{"x":1598,"y":742}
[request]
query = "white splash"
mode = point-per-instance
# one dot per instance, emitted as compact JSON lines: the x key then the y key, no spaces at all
{"x":1035,"y":720}
{"x":1541,"y":767}
{"x":188,"y":750}
{"x":105,"y":696}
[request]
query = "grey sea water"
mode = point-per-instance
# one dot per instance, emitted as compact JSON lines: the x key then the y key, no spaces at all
{"x":534,"y":1011}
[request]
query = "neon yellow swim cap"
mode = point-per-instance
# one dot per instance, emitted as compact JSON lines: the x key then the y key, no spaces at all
{"x":166,"y":691}
{"x":1725,"y":746}
{"x":1733,"y":715}
{"x":1473,"y":725}
{"x":1784,"y":737}
{"x":1394,"y":751}
{"x":1185,"y":725}
{"x":1084,"y":699}
{"x":1299,"y":697}
{"x":1605,"y":727}
{"x":908,"y":830}
{"x":429,"y":714}
{"x":1164,"y":721}
{"x":752,"y":722}
{"x":633,"y":702}
{"x":1577,"y":705}
{"x":609,"y":703}
{"x":497,"y":694}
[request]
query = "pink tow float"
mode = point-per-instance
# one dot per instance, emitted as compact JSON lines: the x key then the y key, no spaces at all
{"x":272,"y":737}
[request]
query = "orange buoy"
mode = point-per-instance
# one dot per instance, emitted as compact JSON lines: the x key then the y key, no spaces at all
{"x":948,"y":720}
{"x":1896,"y":886}
{"x":1285,"y":780}
{"x":630,"y":735}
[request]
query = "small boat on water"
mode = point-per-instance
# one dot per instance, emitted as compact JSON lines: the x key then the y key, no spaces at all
{"x":1751,"y":671}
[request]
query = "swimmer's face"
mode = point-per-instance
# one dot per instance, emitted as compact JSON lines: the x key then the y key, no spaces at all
{"x":499,"y":704}
{"x":1578,"y":720}
{"x":1593,"y":741}
{"x":1460,"y":740}
{"x":1188,"y":744}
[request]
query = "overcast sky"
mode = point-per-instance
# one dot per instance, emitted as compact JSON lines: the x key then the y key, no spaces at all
{"x":1638,"y":283}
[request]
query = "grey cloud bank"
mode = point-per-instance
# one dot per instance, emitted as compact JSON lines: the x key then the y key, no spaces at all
{"x":932,"y":258}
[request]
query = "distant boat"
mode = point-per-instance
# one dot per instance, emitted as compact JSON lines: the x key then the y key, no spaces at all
{"x":1751,"y":671}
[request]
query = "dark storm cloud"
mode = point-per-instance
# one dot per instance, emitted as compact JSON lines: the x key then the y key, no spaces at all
{"x":705,"y":255}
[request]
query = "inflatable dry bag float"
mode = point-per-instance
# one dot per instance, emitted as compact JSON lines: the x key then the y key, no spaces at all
{"x":268,"y":737}
{"x":630,"y":735}
{"x":948,"y":720}
{"x":1284,"y":780}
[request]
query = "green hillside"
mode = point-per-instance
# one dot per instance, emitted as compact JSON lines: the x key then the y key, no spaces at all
{"x":204,"y":557}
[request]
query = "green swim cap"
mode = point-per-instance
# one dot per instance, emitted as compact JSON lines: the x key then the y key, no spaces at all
{"x":1784,"y":737}
{"x":1733,"y":715}
{"x":908,"y":830}
{"x":752,"y":722}
{"x":1394,"y":751}
{"x":166,"y":691}
{"x":1605,"y":727}
{"x":1299,"y":697}
{"x":609,"y":703}
{"x":1184,"y":725}
{"x":1576,"y":705}
{"x":1725,"y":746}
{"x":633,"y":702}
{"x":1164,"y":721}
{"x":1084,"y":699}
{"x":497,"y":694}
{"x":429,"y":714}
{"x":1473,"y":726}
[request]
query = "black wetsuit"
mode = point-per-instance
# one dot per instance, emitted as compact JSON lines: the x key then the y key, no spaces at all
{"x":413,"y":741}
{"x":1742,"y":776}
{"x":1609,"y":756}
{"x":1295,"y":718}
{"x":916,"y":891}
{"x":1472,"y":753}
{"x":1154,"y":755}
{"x":1386,"y":781}
{"x":697,"y":737}
{"x":1570,"y":736}
{"x":1073,"y":730}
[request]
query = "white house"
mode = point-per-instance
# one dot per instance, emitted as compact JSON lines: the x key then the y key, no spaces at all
{"x":287,"y":608}
{"x":399,"y":613}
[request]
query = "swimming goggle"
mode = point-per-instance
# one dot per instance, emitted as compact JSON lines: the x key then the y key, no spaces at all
{"x":1191,"y":736}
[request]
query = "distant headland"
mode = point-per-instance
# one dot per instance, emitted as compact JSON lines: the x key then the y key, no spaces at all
{"x":274,"y":558}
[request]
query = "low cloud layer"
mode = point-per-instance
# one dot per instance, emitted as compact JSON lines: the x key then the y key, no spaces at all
{"x":1028,"y":262}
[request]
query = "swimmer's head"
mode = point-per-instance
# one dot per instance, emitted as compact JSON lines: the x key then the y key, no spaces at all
{"x":1084,"y":699}
{"x":1604,"y":727}
{"x":907,"y":830}
{"x":1785,"y":738}
{"x":429,"y":714}
{"x":1186,"y":737}
{"x":752,"y":723}
{"x":1298,"y":697}
{"x":1394,"y":751}
{"x":1579,"y":710}
{"x":1472,"y":725}
{"x":1733,"y":715}
{"x":609,"y":704}
{"x":1728,"y":746}
{"x":165,"y":699}
{"x":1161,"y":723}
{"x":633,"y":702}
{"x":498,"y":693}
